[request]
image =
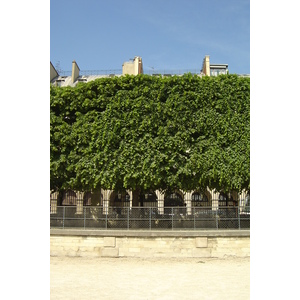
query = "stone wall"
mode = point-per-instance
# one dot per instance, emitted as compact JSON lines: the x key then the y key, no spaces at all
{"x":89,"y":243}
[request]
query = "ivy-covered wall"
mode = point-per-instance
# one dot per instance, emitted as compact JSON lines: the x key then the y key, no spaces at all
{"x":145,"y":132}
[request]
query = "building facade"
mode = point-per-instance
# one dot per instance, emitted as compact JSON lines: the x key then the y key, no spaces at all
{"x":209,"y":199}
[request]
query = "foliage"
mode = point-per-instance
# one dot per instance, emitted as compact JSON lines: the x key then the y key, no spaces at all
{"x":146,"y":132}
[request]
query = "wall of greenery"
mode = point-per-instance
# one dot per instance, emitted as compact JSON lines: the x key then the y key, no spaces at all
{"x":145,"y":132}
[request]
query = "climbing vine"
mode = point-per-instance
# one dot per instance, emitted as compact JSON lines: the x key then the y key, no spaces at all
{"x":145,"y":132}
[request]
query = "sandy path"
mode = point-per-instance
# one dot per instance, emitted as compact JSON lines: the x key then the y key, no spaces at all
{"x":134,"y":278}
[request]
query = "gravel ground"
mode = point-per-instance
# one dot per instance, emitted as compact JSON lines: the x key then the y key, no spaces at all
{"x":155,"y":278}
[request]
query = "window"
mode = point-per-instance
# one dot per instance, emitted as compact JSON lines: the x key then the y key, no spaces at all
{"x":149,"y":199}
{"x":69,"y":198}
{"x":173,"y":199}
{"x":223,"y":199}
{"x":227,"y":199}
{"x":199,"y":199}
{"x":87,"y":198}
{"x":120,"y":199}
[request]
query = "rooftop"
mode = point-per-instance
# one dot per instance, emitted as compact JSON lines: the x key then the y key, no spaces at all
{"x":71,"y":78}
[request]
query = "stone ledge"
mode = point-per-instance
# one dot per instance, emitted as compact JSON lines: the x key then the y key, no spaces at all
{"x":150,"y":233}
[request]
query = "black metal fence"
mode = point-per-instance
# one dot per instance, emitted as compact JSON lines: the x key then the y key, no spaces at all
{"x":98,"y":217}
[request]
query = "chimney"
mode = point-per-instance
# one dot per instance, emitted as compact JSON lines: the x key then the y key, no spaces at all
{"x":138,"y":65}
{"x":206,"y":66}
{"x":133,"y":67}
{"x":75,"y":71}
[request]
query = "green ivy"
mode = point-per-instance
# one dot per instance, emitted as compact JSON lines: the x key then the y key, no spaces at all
{"x":145,"y":132}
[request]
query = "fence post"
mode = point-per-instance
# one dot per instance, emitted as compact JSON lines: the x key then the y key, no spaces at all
{"x":172,"y":217}
{"x":106,"y":214}
{"x":150,"y":212}
{"x":217,"y":219}
{"x":127,"y":217}
{"x":239,"y":219}
{"x":84,"y":209}
{"x":64,"y":217}
{"x":194,"y":218}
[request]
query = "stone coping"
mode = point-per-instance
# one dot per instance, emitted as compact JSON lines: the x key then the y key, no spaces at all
{"x":151,"y":233}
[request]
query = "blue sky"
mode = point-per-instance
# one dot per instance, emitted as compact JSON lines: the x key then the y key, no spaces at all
{"x":168,"y":34}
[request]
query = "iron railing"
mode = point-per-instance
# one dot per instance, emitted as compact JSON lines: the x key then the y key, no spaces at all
{"x":163,"y":72}
{"x":151,"y":218}
{"x":167,"y":72}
